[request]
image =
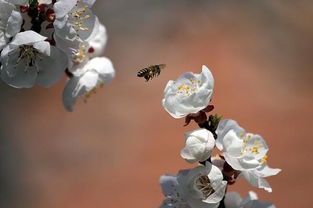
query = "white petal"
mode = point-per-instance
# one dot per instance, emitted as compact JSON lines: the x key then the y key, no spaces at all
{"x":168,"y":184}
{"x":27,"y":38}
{"x":18,"y":75}
{"x":208,"y":76}
{"x":51,"y":67}
{"x":240,"y":163}
{"x":86,"y":83}
{"x":103,"y":66}
{"x":251,"y":201}
{"x":14,"y":24}
{"x":44,"y":1}
{"x":97,"y":40}
{"x":232,"y":200}
{"x":223,"y":128}
{"x":69,"y":99}
{"x":266,"y":171}
{"x":43,"y":47}
{"x":19,"y":2}
{"x":63,"y":7}
{"x":77,"y":86}
{"x":232,"y":144}
{"x":215,"y":175}
{"x":256,"y":181}
{"x":219,"y":193}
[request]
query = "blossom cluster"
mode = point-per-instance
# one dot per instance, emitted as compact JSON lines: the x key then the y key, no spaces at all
{"x":43,"y":40}
{"x":242,"y":154}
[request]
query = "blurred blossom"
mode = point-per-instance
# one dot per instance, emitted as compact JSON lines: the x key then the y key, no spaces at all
{"x":245,"y":152}
{"x":50,"y":39}
{"x":233,"y":200}
{"x":95,"y":73}
{"x":199,"y":145}
{"x":29,"y":59}
{"x":190,"y":93}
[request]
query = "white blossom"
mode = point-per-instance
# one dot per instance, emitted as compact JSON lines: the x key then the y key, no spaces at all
{"x":245,"y":152}
{"x":233,"y":200}
{"x":200,"y":187}
{"x":93,"y":74}
{"x":190,"y":93}
{"x":29,"y":59}
{"x":74,"y":19}
{"x":10,"y":22}
{"x":199,"y":145}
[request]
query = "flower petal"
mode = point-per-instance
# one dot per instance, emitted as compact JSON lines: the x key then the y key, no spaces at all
{"x":14,"y":24}
{"x":28,"y":37}
{"x":232,"y":200}
{"x":52,"y":67}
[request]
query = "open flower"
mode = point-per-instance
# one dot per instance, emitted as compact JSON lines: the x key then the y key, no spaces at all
{"x":245,"y":152}
{"x":93,"y":74}
{"x":199,"y":145}
{"x":233,"y":200}
{"x":190,"y":93}
{"x":10,"y":22}
{"x":29,"y":59}
{"x":200,"y":187}
{"x":74,"y":19}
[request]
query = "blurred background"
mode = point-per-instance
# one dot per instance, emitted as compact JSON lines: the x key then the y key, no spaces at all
{"x":111,"y":151}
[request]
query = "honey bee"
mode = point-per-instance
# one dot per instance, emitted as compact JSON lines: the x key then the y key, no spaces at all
{"x":151,"y":71}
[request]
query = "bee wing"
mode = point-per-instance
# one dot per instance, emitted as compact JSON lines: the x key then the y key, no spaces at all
{"x":162,"y":66}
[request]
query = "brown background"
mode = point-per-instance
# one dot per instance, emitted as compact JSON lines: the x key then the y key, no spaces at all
{"x":111,"y":151}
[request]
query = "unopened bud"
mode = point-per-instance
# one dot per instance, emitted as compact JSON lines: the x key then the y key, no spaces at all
{"x":50,"y":15}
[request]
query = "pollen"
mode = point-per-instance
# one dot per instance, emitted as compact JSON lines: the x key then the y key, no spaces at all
{"x":93,"y":91}
{"x":77,"y":18}
{"x":80,"y":55}
{"x":188,"y":88}
{"x":254,"y":150}
{"x":264,"y":159}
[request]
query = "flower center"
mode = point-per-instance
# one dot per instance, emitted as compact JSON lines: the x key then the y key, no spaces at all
{"x":264,"y":159}
{"x":204,"y":185}
{"x":252,"y":149}
{"x":28,"y":54}
{"x":188,"y":88}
